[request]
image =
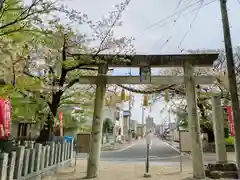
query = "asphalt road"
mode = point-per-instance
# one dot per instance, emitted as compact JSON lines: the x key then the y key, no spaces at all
{"x":159,"y":152}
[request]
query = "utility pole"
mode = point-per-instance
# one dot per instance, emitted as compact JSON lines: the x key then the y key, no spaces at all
{"x":231,"y":78}
{"x":143,"y":120}
{"x":148,"y":143}
{"x":130,"y":113}
{"x":169,"y":123}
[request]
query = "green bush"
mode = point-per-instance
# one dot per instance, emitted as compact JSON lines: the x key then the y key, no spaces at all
{"x":229,"y":140}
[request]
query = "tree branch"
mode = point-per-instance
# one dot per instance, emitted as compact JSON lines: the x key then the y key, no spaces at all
{"x":71,"y":83}
{"x":28,"y":96}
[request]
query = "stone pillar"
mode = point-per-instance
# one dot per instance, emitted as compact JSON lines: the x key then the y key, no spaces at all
{"x":43,"y":156}
{"x":3,"y":166}
{"x":11,"y":165}
{"x":47,"y":156}
{"x":52,"y":153}
{"x":19,"y":162}
{"x":26,"y":162}
{"x":193,"y":122}
{"x":218,"y":128}
{"x":65,"y":151}
{"x":33,"y":158}
{"x":59,"y":150}
{"x":71,"y":149}
{"x":63,"y":143}
{"x":37,"y":162}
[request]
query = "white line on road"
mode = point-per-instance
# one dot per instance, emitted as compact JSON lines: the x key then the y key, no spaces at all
{"x":165,"y":158}
{"x":172,"y":147}
{"x":125,"y":148}
{"x":137,"y":159}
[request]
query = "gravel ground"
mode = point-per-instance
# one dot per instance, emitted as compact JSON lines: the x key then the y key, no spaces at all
{"x":123,"y":171}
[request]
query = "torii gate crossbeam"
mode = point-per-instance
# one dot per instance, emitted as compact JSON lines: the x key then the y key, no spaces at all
{"x":155,"y":80}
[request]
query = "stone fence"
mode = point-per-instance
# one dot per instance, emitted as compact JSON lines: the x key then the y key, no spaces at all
{"x":34,"y":161}
{"x":210,"y":147}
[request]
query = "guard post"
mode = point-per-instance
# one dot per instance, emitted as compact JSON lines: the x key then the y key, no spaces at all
{"x":148,"y":143}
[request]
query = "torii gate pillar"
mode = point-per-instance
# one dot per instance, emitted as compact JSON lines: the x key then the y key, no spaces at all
{"x":97,"y":124}
{"x":193,"y":121}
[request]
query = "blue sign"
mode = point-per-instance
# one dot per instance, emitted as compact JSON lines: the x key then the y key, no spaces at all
{"x":126,"y":113}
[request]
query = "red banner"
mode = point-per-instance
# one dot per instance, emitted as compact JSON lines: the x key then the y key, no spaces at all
{"x":230,"y":120}
{"x":61,"y":123}
{"x":5,"y":118}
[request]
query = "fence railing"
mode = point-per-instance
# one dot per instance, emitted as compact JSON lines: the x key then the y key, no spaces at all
{"x":32,"y":161}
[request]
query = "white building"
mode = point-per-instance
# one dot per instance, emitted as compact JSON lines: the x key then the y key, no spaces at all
{"x":150,"y":124}
{"x":115,"y":113}
{"x":133,"y":125}
{"x":172,"y":125}
{"x":160,"y":128}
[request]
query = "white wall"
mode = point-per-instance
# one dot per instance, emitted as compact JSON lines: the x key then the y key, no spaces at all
{"x":134,"y":125}
{"x":108,"y":112}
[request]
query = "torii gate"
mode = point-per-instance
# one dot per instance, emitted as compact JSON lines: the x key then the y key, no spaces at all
{"x":145,"y":62}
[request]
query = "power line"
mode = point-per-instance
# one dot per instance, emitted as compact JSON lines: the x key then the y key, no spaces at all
{"x":179,"y":3}
{"x":191,"y":24}
{"x":193,"y":20}
{"x":175,"y":22}
{"x":179,"y":13}
{"x":166,"y":19}
{"x":169,"y":17}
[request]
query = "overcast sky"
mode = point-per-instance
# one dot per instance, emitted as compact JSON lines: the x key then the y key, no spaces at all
{"x":205,"y":31}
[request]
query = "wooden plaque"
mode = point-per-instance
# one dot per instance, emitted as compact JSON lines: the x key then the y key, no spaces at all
{"x":83,"y":142}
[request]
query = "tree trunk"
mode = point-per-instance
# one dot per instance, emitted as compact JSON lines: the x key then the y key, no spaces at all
{"x":47,"y":132}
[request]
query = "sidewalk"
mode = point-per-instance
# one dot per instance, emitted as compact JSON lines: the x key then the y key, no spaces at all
{"x":208,"y":157}
{"x":123,"y":171}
